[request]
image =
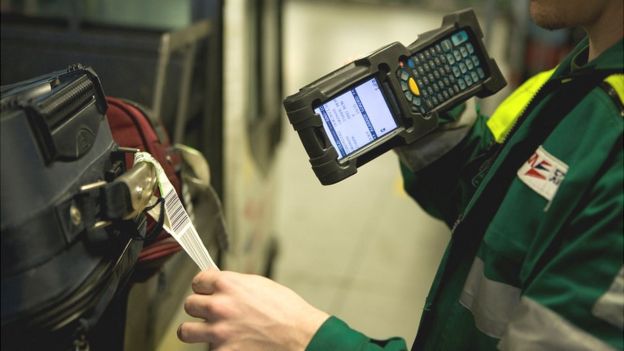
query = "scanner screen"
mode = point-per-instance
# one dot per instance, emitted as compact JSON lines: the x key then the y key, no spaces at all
{"x":356,"y":118}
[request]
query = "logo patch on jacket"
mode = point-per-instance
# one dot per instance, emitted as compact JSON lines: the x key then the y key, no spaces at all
{"x":543,"y":173}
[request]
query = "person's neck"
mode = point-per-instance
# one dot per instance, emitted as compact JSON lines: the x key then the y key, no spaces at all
{"x":606,"y":30}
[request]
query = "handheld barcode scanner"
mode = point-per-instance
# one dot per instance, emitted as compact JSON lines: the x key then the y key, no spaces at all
{"x":392,"y":97}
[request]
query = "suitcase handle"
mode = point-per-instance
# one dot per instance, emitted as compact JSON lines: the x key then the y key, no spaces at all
{"x":63,"y":119}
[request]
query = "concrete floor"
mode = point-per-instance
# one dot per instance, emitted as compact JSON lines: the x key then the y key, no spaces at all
{"x":360,"y":249}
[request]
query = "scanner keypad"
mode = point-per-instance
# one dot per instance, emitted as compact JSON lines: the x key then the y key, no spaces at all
{"x":440,"y":72}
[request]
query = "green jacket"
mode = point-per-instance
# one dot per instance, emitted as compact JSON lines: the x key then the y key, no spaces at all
{"x":546,"y":272}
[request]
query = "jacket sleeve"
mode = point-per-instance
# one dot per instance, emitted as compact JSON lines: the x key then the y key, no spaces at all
{"x":335,"y":334}
{"x":444,"y":187}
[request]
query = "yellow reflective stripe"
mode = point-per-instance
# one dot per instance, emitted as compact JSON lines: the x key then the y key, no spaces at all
{"x":617,"y":82}
{"x":510,"y":109}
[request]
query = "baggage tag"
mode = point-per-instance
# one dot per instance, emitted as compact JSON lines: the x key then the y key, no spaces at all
{"x":177,"y":221}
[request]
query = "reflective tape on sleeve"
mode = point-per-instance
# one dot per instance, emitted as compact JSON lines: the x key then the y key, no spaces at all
{"x":610,"y":306}
{"x":537,"y":328}
{"x":490,"y":302}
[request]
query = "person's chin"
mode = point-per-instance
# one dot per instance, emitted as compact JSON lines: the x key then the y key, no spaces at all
{"x":544,"y":18}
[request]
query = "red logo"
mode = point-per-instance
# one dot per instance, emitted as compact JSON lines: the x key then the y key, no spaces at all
{"x":543,"y":173}
{"x":538,"y":168}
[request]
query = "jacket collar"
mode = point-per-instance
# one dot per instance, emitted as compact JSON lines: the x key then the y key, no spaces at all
{"x":576,"y":60}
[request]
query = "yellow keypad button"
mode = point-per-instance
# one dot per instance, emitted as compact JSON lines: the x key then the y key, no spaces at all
{"x":413,"y":86}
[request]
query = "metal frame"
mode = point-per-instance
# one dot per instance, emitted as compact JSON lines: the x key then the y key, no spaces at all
{"x":185,"y":40}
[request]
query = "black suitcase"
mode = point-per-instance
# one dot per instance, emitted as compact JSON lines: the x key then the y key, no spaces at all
{"x":63,"y":255}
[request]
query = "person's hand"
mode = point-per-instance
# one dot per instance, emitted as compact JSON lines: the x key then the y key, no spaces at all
{"x":248,"y":312}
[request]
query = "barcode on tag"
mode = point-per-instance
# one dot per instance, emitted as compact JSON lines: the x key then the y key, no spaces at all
{"x":177,"y":216}
{"x":180,"y":226}
{"x":197,"y":252}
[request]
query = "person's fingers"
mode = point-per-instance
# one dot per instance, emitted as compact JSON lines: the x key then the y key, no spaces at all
{"x":195,"y":332}
{"x":207,"y":307}
{"x":196,"y":306}
{"x":215,"y":334}
{"x":204,"y":282}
